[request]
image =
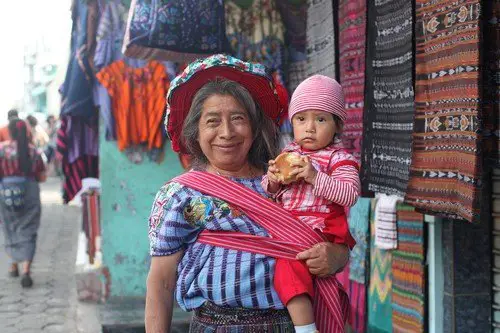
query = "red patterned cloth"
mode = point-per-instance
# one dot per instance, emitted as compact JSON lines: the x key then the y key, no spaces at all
{"x":352,"y":45}
{"x":357,"y":297}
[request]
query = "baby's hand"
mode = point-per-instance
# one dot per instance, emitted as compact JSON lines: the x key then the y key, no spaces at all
{"x":305,"y":170}
{"x":272,"y":170}
{"x":274,"y":182}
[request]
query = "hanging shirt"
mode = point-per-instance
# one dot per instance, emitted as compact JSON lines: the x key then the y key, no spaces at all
{"x":138,"y":101}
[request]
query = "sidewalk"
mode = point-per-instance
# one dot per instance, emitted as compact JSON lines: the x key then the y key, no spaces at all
{"x":51,"y":305}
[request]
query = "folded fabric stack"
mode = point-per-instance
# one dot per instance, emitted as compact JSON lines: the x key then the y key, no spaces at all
{"x":386,"y":233}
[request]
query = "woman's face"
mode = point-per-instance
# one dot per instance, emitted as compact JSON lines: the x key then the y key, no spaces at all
{"x":225,"y":133}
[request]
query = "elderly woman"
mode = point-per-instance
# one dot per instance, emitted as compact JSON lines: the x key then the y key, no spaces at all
{"x":221,"y":111}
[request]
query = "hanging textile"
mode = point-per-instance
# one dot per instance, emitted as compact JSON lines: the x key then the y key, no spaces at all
{"x":355,"y":275}
{"x":176,"y":30}
{"x":359,"y":225}
{"x":386,"y":232}
{"x":491,"y":82}
{"x":379,"y":294}
{"x":83,"y":137}
{"x":91,"y":222}
{"x":357,"y":301}
{"x":108,"y":49}
{"x":76,"y":90}
{"x":496,"y":253}
{"x":352,"y":44}
{"x":257,"y":34}
{"x":408,"y":271}
{"x":388,"y":117}
{"x":138,"y":101}
{"x":294,"y":16}
{"x":446,"y":163}
{"x":320,"y":38}
{"x":110,"y":32}
{"x":84,"y":166}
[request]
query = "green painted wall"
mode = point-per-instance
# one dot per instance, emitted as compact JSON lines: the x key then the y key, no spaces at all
{"x":128,"y":191}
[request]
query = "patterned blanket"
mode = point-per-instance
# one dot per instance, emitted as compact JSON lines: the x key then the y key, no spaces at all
{"x":388,"y":118}
{"x":447,"y":162}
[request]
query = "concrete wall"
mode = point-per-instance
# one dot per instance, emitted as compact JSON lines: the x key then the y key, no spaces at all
{"x":128,"y":191}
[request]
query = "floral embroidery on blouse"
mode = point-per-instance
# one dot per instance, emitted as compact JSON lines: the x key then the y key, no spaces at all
{"x":201,"y":210}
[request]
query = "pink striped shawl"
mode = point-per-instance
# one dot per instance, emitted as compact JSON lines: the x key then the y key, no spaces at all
{"x":288,"y":236}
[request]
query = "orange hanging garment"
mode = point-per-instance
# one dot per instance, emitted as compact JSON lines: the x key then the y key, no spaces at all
{"x":138,"y":101}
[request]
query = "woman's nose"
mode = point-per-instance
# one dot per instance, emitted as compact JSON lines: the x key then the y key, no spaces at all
{"x":226,"y":130}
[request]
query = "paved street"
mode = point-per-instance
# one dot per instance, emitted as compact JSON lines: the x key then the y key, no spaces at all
{"x":51,"y":305}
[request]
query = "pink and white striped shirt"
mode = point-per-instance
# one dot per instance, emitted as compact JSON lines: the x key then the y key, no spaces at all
{"x":337,"y":182}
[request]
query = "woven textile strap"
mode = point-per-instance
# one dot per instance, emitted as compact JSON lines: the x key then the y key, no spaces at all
{"x":288,"y":236}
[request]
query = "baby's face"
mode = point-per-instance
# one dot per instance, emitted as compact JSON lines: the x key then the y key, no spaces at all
{"x":313,"y":129}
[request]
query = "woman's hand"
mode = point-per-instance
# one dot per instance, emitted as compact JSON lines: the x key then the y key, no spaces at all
{"x":305,"y":170}
{"x":325,"y":259}
{"x":274,"y":182}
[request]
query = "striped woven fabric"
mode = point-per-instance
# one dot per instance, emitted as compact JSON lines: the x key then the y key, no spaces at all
{"x":408,"y":271}
{"x":446,"y":163}
{"x":352,"y":40}
{"x":388,"y":119}
{"x":321,"y":38}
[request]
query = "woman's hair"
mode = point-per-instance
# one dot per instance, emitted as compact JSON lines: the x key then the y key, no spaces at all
{"x":19,"y":132}
{"x":264,"y":131}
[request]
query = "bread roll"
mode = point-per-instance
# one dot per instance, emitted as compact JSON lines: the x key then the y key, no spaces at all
{"x":284,"y":163}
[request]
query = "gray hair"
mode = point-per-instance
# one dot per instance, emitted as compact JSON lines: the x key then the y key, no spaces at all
{"x":264,"y":131}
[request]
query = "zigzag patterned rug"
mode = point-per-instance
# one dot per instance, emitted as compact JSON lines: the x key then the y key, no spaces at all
{"x":379,"y":296}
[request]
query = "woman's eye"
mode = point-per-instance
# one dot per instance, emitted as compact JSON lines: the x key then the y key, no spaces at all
{"x":321,"y":120}
{"x":300,"y":118}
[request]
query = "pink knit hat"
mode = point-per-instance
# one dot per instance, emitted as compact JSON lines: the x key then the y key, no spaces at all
{"x":318,"y":92}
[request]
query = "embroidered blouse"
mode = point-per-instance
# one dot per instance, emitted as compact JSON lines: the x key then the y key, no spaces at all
{"x":225,"y":277}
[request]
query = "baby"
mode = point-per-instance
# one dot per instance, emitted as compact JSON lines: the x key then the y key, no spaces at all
{"x":326,"y":180}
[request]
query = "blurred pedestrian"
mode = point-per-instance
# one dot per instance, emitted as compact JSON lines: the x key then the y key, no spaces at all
{"x":39,"y":137}
{"x":52,"y":134}
{"x":4,"y":131}
{"x":22,"y":167}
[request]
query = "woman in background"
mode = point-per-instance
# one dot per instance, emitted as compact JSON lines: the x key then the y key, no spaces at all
{"x":22,"y":167}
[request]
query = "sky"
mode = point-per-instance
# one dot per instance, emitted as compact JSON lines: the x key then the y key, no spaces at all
{"x":25,"y":24}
